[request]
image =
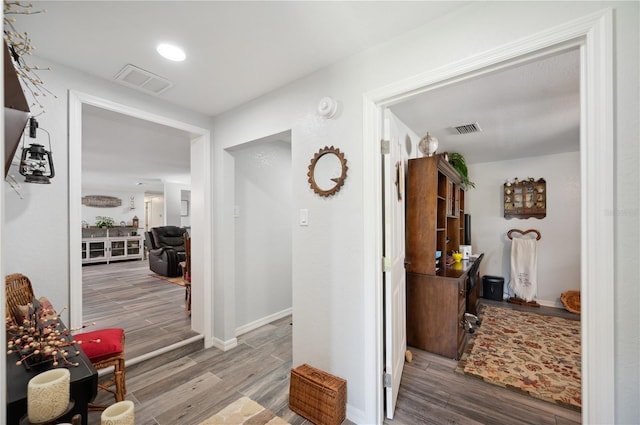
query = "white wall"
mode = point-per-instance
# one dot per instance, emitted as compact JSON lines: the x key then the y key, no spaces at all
{"x":328,"y":276}
{"x":559,"y":247}
{"x":185,"y":220}
{"x":172,"y":198}
{"x":262,"y":214}
{"x":121,"y":213}
{"x":36,"y":228}
{"x":327,"y":256}
{"x":558,"y":250}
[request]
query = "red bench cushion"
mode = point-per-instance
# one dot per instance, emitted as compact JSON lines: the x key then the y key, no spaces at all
{"x":110,"y":343}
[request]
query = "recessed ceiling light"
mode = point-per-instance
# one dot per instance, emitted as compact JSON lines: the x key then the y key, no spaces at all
{"x":171,"y":52}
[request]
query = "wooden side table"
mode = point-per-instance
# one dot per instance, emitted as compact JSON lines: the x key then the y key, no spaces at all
{"x":84,"y":387}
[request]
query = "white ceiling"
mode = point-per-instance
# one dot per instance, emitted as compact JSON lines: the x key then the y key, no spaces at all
{"x":526,"y":110}
{"x":237,"y":51}
{"x":122,"y":152}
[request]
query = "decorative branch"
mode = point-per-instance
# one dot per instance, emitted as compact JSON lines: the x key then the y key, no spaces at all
{"x":41,"y":337}
{"x":20,"y":45}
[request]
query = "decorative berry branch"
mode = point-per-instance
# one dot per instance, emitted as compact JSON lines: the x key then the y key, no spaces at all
{"x":42,"y":337}
{"x":19,"y":45}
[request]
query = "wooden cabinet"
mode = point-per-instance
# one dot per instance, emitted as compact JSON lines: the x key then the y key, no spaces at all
{"x":107,"y":245}
{"x":125,"y":248}
{"x":434,"y":213}
{"x":435,"y":313}
{"x":94,"y":250}
{"x":525,"y":199}
{"x":436,"y":292}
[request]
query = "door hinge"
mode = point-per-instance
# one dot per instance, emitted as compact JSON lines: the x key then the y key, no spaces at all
{"x":386,"y":264}
{"x":385,"y":147}
{"x":388,"y":382}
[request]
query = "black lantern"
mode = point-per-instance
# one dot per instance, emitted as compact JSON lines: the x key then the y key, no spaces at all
{"x":36,"y":163}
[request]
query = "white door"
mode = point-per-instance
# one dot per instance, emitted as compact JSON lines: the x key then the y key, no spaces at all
{"x":394,"y":164}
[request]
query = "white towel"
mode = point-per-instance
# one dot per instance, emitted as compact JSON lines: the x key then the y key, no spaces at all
{"x":524,"y":268}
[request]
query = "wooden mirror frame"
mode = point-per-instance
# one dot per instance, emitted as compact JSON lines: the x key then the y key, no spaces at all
{"x":339,"y":181}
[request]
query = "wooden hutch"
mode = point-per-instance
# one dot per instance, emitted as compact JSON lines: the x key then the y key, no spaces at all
{"x":436,"y":291}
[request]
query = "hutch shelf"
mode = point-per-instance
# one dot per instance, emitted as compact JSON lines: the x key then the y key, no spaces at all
{"x":436,"y":291}
{"x":525,"y":199}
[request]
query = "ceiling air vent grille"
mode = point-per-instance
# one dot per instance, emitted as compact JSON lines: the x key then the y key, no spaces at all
{"x":140,"y":79}
{"x":467,"y":128}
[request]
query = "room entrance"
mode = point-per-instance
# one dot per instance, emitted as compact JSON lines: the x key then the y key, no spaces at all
{"x":596,"y":170}
{"x":201,"y":319}
{"x":260,"y":251}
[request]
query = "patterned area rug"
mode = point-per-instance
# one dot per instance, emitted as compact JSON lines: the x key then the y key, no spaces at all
{"x":175,"y":280}
{"x":245,"y":411}
{"x":539,"y":355}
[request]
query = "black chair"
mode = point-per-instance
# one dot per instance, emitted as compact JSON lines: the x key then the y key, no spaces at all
{"x":471,"y":283}
{"x":166,"y":250}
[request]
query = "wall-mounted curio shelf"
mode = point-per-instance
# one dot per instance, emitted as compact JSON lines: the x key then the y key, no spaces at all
{"x":525,"y":199}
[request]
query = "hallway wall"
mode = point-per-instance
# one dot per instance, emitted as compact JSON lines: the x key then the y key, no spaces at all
{"x":262,"y":221}
{"x":334,"y":328}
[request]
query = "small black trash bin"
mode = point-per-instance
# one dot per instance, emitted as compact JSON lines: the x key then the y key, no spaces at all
{"x":492,"y":287}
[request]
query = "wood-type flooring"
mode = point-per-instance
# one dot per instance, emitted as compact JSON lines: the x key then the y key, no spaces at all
{"x":124,"y":295}
{"x":188,"y":385}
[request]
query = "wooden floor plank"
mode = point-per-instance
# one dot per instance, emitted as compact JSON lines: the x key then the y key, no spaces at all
{"x":157,"y":377}
{"x":188,"y":386}
{"x":124,"y":295}
{"x":432,"y":392}
{"x":174,"y":406}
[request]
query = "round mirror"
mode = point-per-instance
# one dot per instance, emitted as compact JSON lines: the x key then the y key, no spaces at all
{"x":327,"y":171}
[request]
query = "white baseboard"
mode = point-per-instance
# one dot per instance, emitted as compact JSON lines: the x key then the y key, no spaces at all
{"x":262,"y":321}
{"x":356,"y":416}
{"x":232,"y":343}
{"x":548,"y":303}
{"x":153,"y":354}
{"x":225,"y":345}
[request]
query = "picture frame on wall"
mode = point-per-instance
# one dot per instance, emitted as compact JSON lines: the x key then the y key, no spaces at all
{"x":184,"y":208}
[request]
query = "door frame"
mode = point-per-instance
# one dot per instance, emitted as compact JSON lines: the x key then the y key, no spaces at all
{"x":202,"y":208}
{"x":593,"y":34}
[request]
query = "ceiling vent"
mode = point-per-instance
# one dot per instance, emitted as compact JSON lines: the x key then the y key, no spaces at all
{"x":467,"y":128}
{"x":145,"y":81}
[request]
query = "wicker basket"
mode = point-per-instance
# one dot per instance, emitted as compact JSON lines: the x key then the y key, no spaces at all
{"x":318,"y":396}
{"x":571,"y":301}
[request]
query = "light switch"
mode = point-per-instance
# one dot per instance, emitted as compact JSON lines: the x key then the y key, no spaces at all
{"x":236,"y":211}
{"x":304,"y":217}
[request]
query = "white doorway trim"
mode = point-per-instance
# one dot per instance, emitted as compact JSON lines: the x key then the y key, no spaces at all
{"x":201,"y":202}
{"x":593,"y":34}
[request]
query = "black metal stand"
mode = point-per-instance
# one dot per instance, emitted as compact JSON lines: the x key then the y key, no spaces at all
{"x":25,"y":419}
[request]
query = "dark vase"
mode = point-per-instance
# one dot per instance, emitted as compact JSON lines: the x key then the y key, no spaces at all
{"x":38,"y":363}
